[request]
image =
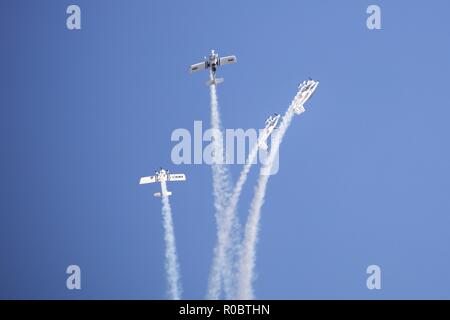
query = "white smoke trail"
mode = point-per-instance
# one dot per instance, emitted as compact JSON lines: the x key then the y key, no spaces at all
{"x":248,"y":250}
{"x":172,"y":268}
{"x":221,"y":180}
{"x":228,"y":247}
{"x":242,"y":179}
{"x":224,"y":254}
{"x":225,"y":223}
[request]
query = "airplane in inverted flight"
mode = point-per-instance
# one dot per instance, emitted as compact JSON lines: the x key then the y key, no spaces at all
{"x":212,"y":62}
{"x":306,"y":90}
{"x":162,"y":176}
{"x":271,"y":124}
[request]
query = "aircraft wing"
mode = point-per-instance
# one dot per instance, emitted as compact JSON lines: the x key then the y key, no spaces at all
{"x":228,"y":60}
{"x":177,"y":177}
{"x":147,"y":180}
{"x":197,"y":67}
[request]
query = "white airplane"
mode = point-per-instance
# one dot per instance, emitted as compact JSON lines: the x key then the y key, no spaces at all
{"x":271,"y":124}
{"x":306,"y":90}
{"x":162,"y":176}
{"x":213,"y":61}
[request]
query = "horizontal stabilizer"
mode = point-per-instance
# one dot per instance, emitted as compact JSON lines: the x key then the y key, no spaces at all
{"x":263,"y":145}
{"x":215,"y":81}
{"x":299,"y":109}
{"x":158,"y":194}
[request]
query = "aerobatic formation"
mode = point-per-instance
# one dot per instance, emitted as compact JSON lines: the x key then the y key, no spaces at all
{"x":234,"y":256}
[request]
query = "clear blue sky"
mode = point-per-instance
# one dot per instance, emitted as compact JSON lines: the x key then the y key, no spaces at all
{"x":364,"y":173}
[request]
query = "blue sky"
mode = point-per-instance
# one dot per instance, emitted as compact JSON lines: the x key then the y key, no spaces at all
{"x":364,"y":173}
